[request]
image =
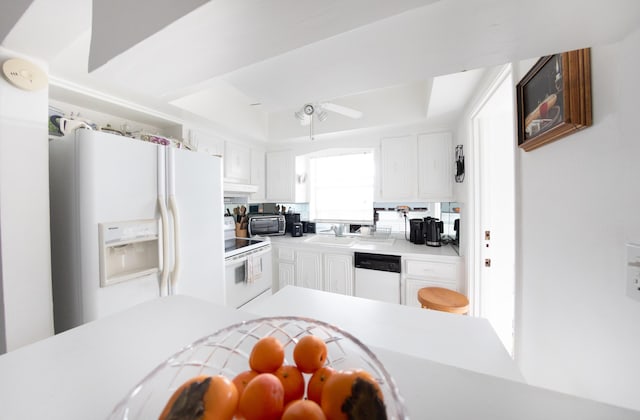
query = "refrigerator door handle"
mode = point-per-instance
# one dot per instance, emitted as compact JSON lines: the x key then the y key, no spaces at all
{"x":175,"y":273}
{"x":164,"y":276}
{"x":164,"y":216}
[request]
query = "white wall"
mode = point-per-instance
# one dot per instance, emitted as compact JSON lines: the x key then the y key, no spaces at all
{"x":25,"y":276}
{"x":577,"y":331}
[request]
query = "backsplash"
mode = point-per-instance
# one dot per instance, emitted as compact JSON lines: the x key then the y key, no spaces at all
{"x":386,"y":213}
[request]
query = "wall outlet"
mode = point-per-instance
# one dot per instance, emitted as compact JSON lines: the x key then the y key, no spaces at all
{"x":633,"y":271}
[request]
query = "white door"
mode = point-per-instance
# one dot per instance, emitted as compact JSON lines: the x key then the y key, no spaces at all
{"x":200,"y":238}
{"x":495,"y":262}
{"x":116,"y":181}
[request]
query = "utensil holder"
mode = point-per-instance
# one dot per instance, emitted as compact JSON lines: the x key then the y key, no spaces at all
{"x":241,"y":233}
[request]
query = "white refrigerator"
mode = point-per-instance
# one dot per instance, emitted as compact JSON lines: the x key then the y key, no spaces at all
{"x":131,"y":221}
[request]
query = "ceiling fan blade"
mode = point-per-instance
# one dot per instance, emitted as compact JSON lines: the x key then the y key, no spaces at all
{"x":339,"y":109}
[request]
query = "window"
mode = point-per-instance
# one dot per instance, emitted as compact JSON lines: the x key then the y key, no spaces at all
{"x":341,"y":187}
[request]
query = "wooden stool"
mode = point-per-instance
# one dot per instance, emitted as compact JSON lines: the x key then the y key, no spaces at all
{"x":445,"y":300}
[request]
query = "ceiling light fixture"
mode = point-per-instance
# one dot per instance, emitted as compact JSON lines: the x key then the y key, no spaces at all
{"x":310,"y":112}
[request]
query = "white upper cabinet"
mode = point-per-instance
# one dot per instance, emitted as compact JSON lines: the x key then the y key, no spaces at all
{"x":435,"y":167}
{"x":416,"y":169}
{"x":281,"y":174}
{"x":398,"y":169}
{"x":258,"y":174}
{"x":237,"y":163}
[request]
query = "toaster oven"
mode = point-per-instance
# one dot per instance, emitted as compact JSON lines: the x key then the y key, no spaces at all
{"x":266,"y":224}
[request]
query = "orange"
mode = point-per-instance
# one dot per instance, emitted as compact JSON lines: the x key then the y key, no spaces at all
{"x":220,"y":398}
{"x":310,"y":353}
{"x":338,"y":390}
{"x":242,"y":379}
{"x":316,"y":383}
{"x":267,"y":355}
{"x":263,"y":398}
{"x":292,"y":382}
{"x":303,"y":410}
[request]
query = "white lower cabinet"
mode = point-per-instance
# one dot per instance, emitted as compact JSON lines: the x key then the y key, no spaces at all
{"x":313,"y":268}
{"x":338,"y":273}
{"x":286,"y":274}
{"x":284,"y":266}
{"x":309,"y":269}
{"x":420,"y":273}
{"x":325,"y":269}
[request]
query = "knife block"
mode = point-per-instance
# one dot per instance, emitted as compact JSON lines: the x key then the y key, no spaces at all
{"x":241,"y":233}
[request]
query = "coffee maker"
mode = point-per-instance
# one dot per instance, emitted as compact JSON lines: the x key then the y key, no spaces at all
{"x":433,"y":231}
{"x":416,"y":231}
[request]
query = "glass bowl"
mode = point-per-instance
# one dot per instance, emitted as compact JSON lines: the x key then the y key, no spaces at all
{"x":226,"y":352}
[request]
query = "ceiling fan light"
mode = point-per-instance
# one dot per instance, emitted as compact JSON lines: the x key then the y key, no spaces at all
{"x":300,"y":115}
{"x":321,"y":115}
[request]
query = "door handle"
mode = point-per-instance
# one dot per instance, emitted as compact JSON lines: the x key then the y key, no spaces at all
{"x":487,"y":262}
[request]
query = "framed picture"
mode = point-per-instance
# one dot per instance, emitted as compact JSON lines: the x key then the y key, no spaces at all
{"x":554,"y":98}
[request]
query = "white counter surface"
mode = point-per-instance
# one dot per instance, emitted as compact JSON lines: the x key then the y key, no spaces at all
{"x":84,"y":372}
{"x":399,"y":247}
{"x":456,"y":340}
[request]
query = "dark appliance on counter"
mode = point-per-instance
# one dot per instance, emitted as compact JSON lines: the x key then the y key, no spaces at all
{"x":433,"y":231}
{"x":266,"y":224}
{"x":456,"y":228}
{"x":416,"y":231}
{"x":308,"y":227}
{"x":290,"y":219}
{"x":296,"y":229}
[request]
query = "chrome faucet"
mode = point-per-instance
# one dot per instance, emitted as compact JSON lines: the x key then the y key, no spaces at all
{"x":338,"y":230}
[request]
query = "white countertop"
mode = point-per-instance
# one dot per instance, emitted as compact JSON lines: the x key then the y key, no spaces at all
{"x":84,"y":372}
{"x":456,"y":340}
{"x":399,"y":247}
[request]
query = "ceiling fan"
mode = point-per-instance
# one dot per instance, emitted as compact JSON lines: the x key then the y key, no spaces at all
{"x":318,"y":111}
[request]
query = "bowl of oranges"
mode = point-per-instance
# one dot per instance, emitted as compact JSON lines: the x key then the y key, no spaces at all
{"x":268,"y":368}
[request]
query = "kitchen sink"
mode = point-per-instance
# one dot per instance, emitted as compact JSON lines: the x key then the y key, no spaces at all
{"x":375,"y":240}
{"x":332,"y":240}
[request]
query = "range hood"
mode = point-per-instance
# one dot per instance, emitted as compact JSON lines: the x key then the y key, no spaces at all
{"x":232,"y":189}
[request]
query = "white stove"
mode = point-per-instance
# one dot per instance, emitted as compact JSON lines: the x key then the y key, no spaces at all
{"x":234,"y":246}
{"x":247,"y":266}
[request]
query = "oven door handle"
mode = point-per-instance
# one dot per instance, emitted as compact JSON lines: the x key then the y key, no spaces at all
{"x":242,"y":257}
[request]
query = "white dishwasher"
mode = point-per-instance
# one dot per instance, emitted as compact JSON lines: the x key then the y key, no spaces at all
{"x":377,"y":276}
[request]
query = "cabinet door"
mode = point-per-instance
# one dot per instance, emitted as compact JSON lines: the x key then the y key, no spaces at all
{"x":202,"y":141}
{"x":281,"y":176}
{"x":258,"y":174}
{"x":435,"y":167}
{"x":309,"y":269}
{"x":237,"y":163}
{"x":286,"y":275}
{"x":412,"y":286}
{"x":398,"y":169}
{"x":338,"y":269}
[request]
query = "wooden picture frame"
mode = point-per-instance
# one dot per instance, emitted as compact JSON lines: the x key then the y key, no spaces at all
{"x":554,"y":98}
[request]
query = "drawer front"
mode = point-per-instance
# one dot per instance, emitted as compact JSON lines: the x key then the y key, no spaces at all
{"x":432,"y":270}
{"x":286,"y":254}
